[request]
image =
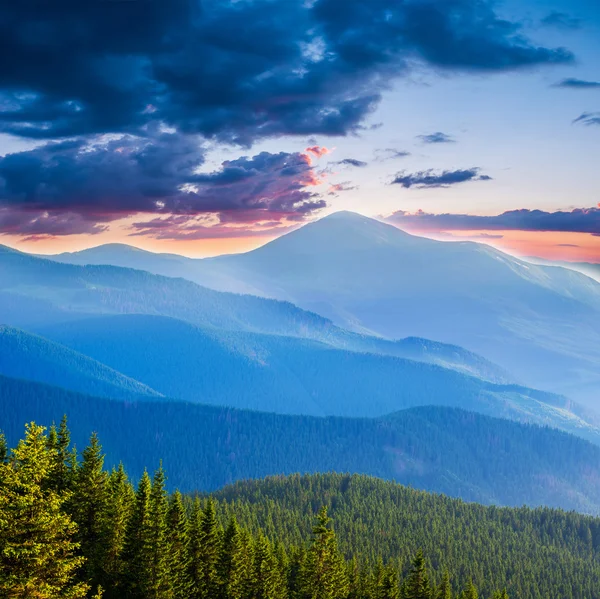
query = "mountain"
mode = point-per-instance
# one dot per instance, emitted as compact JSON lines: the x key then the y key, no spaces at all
{"x":28,"y":356}
{"x":288,"y":375}
{"x":439,"y":449}
{"x":541,"y":323}
{"x":35,"y":292}
{"x":587,"y":268}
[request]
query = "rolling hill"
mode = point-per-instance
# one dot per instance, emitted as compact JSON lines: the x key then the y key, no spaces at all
{"x":439,"y":449}
{"x":27,"y":356}
{"x":296,"y":376}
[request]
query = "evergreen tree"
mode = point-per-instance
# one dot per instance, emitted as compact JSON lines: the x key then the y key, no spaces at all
{"x":89,"y":504}
{"x":444,"y":591}
{"x":206,"y":544}
{"x":155,"y":539}
{"x":268,"y":581}
{"x":389,"y":587}
{"x":324,"y":572}
{"x":138,"y":561}
{"x":417,"y":583}
{"x":179,"y":549}
{"x":231,"y":566}
{"x":470,"y":591}
{"x":37,"y":548}
{"x":118,"y":509}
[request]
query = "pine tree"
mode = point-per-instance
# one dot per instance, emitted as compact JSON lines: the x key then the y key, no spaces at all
{"x":118,"y":509}
{"x":37,"y":548}
{"x":59,"y":440}
{"x":155,"y":539}
{"x":89,"y":504}
{"x":179,"y":549}
{"x":206,"y":542}
{"x":268,"y":581}
{"x":136,"y":555}
{"x":444,"y":591}
{"x":389,"y":587}
{"x":324,"y":572}
{"x":470,"y":591}
{"x":230,"y":569}
{"x":417,"y":583}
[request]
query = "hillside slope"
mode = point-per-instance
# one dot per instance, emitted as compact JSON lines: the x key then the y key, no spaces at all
{"x":540,"y":323}
{"x":439,"y":449}
{"x":27,"y":356}
{"x":295,"y":376}
{"x":536,"y":554}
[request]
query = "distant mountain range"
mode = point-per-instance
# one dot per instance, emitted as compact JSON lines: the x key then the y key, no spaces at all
{"x":434,"y":448}
{"x":288,"y":375}
{"x":540,"y":323}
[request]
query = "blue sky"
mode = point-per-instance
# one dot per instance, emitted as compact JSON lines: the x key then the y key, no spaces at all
{"x":198,"y":142}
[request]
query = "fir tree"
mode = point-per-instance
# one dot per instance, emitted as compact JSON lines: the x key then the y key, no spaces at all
{"x":324,"y":572}
{"x":230,"y":569}
{"x":136,"y":555}
{"x":417,"y":583}
{"x":444,"y":591}
{"x":37,"y":548}
{"x":89,"y":498}
{"x":179,"y":549}
{"x":118,"y":508}
{"x":268,"y":581}
{"x":155,"y":540}
{"x":206,"y":543}
{"x":3,"y":448}
{"x":470,"y":591}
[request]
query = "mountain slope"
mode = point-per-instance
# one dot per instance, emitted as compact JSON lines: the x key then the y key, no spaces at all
{"x":35,"y":291}
{"x":27,"y":356}
{"x":295,"y":376}
{"x":535,"y":554}
{"x":540,"y":323}
{"x":439,"y":449}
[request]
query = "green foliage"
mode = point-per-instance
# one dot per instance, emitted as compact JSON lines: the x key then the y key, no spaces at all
{"x":37,"y":538}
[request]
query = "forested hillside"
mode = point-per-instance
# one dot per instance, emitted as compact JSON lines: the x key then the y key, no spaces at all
{"x":75,"y":530}
{"x":288,"y":375}
{"x":439,"y":449}
{"x":27,"y":356}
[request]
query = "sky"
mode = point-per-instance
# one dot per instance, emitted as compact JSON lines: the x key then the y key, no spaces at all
{"x":208,"y":127}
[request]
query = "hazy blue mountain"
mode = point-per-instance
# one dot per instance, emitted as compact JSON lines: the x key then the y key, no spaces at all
{"x":27,"y":356}
{"x":587,"y":268}
{"x":439,"y":449}
{"x":296,"y":376}
{"x":35,"y":291}
{"x":540,"y":323}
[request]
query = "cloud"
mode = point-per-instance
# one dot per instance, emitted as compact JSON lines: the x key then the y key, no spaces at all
{"x":235,"y":71}
{"x":578,"y":84}
{"x":335,"y":188}
{"x":431,"y":178}
{"x":436,"y":138}
{"x":588,"y":118}
{"x":567,"y":245}
{"x":74,"y":187}
{"x":352,"y":162}
{"x":561,"y":20}
{"x":579,"y":220}
{"x":390,"y":154}
{"x":318,"y":151}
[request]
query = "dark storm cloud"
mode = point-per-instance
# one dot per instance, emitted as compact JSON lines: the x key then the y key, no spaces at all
{"x":431,"y":178}
{"x":578,"y":84}
{"x":588,"y":118}
{"x":235,"y":71}
{"x":72,"y":187}
{"x":436,"y":138}
{"x":580,"y":220}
